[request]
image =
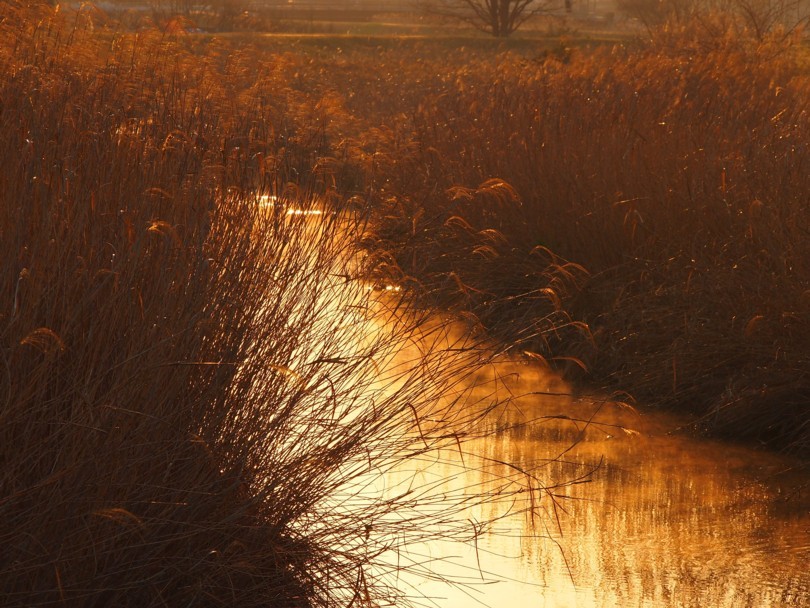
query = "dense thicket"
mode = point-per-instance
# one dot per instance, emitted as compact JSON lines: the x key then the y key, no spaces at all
{"x":195,"y":404}
{"x":668,"y":172}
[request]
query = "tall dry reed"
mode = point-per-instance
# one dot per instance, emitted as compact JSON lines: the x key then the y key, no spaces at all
{"x":196,"y":400}
{"x":670,"y":170}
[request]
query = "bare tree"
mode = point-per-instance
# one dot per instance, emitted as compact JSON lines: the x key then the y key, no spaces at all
{"x":759,"y":18}
{"x":497,"y":17}
{"x":763,"y":17}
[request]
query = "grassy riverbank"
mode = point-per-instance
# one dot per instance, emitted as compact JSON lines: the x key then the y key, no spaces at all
{"x":639,"y":210}
{"x":193,"y":407}
{"x":653,"y":191}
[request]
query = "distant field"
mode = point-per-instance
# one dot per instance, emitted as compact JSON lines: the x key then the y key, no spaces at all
{"x":334,"y":27}
{"x":329,"y":37}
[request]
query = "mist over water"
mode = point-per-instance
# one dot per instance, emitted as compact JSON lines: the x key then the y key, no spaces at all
{"x":624,"y":509}
{"x":665,"y":520}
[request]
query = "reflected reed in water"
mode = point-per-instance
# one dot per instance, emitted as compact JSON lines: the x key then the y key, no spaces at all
{"x":666,"y":520}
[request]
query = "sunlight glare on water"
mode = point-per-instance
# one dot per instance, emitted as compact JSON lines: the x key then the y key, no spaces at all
{"x":653,"y":519}
{"x":271,"y":200}
{"x":666,"y":520}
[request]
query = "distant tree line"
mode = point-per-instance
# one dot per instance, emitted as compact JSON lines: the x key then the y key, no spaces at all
{"x":759,"y":17}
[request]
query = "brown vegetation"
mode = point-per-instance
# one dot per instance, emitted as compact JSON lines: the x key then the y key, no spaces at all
{"x":179,"y":421}
{"x":191,"y":399}
{"x":669,"y":172}
{"x":672,"y":172}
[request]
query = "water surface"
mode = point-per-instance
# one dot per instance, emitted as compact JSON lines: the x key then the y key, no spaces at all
{"x":618,"y":508}
{"x":659,"y":518}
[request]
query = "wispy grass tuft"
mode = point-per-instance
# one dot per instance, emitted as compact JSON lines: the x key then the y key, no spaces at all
{"x":662,"y":183}
{"x":196,"y":400}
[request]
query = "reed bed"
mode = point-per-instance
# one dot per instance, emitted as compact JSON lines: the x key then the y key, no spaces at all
{"x":634,"y":212}
{"x":197,"y":407}
{"x":663,"y":183}
{"x":196,"y":401}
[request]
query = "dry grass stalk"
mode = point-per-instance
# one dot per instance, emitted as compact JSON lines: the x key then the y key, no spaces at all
{"x":672,"y":172}
{"x":192,"y":398}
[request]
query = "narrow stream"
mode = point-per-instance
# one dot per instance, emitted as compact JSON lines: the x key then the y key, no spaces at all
{"x":666,"y":520}
{"x":629,"y":512}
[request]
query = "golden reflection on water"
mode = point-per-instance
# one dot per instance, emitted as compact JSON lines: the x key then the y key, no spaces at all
{"x":665,"y":520}
{"x":656,"y":519}
{"x":269,"y":201}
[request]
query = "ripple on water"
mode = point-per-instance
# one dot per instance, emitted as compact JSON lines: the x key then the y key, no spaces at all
{"x":666,"y":520}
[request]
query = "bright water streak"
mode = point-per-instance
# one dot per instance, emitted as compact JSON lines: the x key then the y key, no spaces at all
{"x":664,"y":520}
